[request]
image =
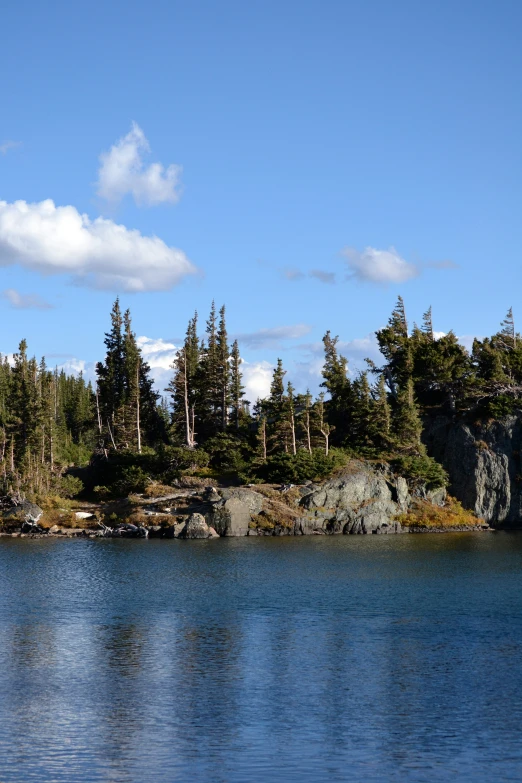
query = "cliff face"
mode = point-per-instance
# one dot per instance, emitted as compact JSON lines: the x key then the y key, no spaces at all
{"x":484,"y":464}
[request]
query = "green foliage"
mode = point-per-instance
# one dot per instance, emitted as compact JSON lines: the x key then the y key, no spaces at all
{"x":303,"y":466}
{"x":500,"y":406}
{"x":68,"y":486}
{"x":421,"y":469}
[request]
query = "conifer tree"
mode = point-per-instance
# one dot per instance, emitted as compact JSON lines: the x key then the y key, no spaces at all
{"x":275,"y":406}
{"x":183,"y":385}
{"x":289,"y":411}
{"x":407,"y":423}
{"x":223,"y":370}
{"x":236,"y":387}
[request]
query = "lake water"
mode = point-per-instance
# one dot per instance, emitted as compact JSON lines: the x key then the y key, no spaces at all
{"x":343,"y":658}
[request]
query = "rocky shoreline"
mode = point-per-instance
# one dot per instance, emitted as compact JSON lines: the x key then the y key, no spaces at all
{"x":362,"y":499}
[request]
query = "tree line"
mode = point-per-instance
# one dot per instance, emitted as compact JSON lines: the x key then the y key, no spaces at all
{"x":50,"y":421}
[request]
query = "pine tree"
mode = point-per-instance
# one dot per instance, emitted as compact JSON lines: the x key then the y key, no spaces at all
{"x":111,"y":374}
{"x":427,"y":324}
{"x":507,"y":332}
{"x":236,"y":387}
{"x":275,"y":406}
{"x":223,"y":370}
{"x":183,"y":385}
{"x":407,"y":423}
{"x":289,"y":412}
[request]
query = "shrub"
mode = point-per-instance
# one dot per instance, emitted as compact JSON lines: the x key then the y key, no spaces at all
{"x":303,"y":466}
{"x":68,"y":486}
{"x":500,"y":406}
{"x":421,"y":469}
{"x":426,"y":516}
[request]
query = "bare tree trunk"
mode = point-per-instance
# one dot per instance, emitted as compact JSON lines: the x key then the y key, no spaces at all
{"x":307,"y":428}
{"x":188,"y":435}
{"x":138,"y":406}
{"x":110,"y":433}
{"x":326,"y":437}
{"x":98,"y":411}
{"x":292,"y":429}
{"x":51,"y":443}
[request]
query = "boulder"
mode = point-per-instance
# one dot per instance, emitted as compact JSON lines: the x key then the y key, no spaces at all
{"x":24,"y":511}
{"x":360,"y":500}
{"x":231,"y":516}
{"x":196,"y":527}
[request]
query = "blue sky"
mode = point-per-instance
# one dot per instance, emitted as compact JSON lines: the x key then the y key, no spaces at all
{"x":286,"y":132}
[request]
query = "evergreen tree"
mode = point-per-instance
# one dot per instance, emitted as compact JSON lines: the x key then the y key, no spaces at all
{"x":223,"y":370}
{"x":407,"y":423}
{"x":236,"y":387}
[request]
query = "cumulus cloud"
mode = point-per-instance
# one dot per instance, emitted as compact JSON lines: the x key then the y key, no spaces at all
{"x":5,"y":146}
{"x":123,"y":172}
{"x":257,"y":377}
{"x":273,"y":337}
{"x":160,"y":355}
{"x":25,"y":301}
{"x":96,"y":253}
{"x":379,"y":266}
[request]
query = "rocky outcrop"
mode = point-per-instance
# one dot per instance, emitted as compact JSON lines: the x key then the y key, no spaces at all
{"x":231,"y":515}
{"x":196,"y":527}
{"x":24,"y":512}
{"x":361,"y":500}
{"x":483,"y":461}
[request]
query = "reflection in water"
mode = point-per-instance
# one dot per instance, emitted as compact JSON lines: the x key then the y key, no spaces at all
{"x":372,"y":658}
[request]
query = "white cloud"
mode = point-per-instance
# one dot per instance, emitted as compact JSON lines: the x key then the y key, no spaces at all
{"x":25,"y":301}
{"x":160,"y":355}
{"x":96,"y":253}
{"x":75,"y":366}
{"x":257,"y":377}
{"x":9,"y":145}
{"x":379,"y":266}
{"x":123,"y":172}
{"x":273,"y":337}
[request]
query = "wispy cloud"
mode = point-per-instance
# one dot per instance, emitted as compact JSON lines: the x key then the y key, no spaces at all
{"x":123,"y":172}
{"x":292,"y":274}
{"x":96,"y":253}
{"x":25,"y":301}
{"x":323,"y":277}
{"x":379,"y":266}
{"x":5,"y":146}
{"x":273,"y":337}
{"x":445,"y":264}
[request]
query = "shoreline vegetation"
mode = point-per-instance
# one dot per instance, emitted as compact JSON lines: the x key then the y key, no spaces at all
{"x":113,"y":446}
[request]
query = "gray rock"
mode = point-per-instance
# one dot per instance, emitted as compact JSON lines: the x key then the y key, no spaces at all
{"x":196,"y":527}
{"x":232,"y":515}
{"x":360,"y":500}
{"x":25,"y":512}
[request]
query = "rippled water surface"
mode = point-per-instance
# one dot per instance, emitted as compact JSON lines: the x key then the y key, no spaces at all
{"x":365,"y":658}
